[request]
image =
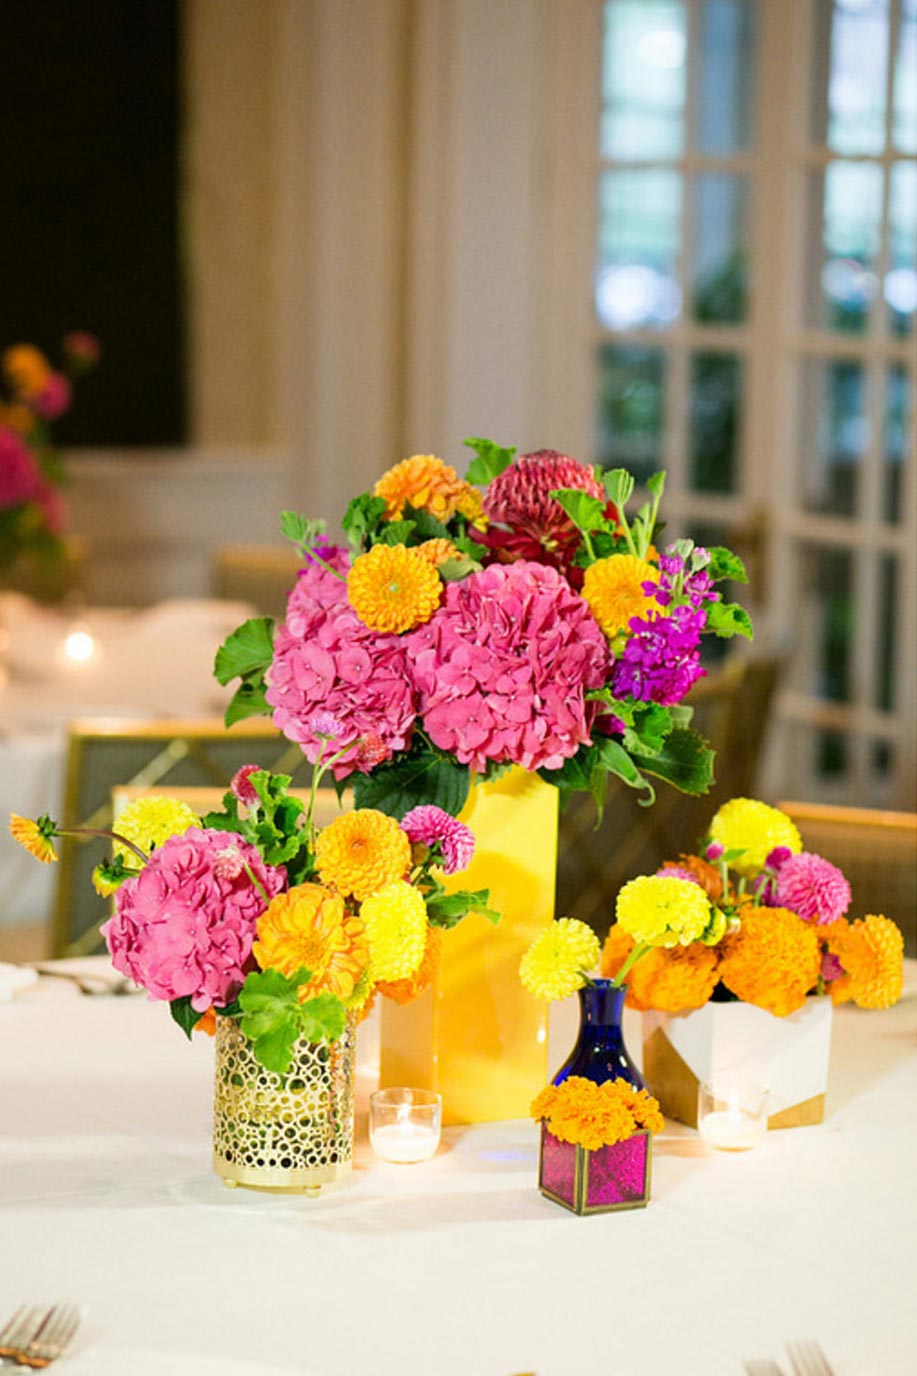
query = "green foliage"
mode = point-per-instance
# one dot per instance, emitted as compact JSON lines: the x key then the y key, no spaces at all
{"x":447,"y":909}
{"x":727,"y":619}
{"x":396,"y":533}
{"x":426,"y":526}
{"x":249,"y":700}
{"x":186,"y":1016}
{"x":454,"y":570}
{"x":491,"y":460}
{"x":273,"y":1018}
{"x":248,"y":650}
{"x":300,"y":529}
{"x":422,"y":776}
{"x":361,"y":520}
{"x":651,"y":724}
{"x":685,"y":761}
{"x":586,"y":512}
{"x":619,"y":486}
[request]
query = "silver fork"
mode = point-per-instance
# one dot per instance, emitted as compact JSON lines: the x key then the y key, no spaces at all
{"x":807,"y":1358}
{"x":36,"y":1336}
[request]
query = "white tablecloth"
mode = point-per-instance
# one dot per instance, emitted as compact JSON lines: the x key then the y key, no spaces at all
{"x":457,"y":1267}
{"x":152,"y":663}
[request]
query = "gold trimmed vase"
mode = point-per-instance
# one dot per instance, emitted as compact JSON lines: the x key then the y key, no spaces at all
{"x":291,"y":1132}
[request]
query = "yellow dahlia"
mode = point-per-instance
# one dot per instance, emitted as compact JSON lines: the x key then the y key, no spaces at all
{"x":396,"y":928}
{"x":27,"y":369}
{"x":471,"y":506}
{"x":361,"y":852}
{"x":148,"y":822}
{"x":437,"y":551}
{"x":35,"y":837}
{"x":309,"y":926}
{"x":660,"y":911}
{"x":393,"y":588}
{"x":872,"y":954}
{"x":754,"y":828}
{"x":555,"y":963}
{"x":423,"y":482}
{"x":613,"y":588}
{"x":772,"y":961}
{"x":406,"y":990}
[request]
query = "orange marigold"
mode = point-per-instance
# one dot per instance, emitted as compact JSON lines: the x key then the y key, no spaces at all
{"x":772,"y":961}
{"x":309,"y":926}
{"x":872,"y":954}
{"x":361,"y":852}
{"x":27,"y":369}
{"x":406,"y":990}
{"x":710,"y":878}
{"x":392,"y":588}
{"x":677,"y":979}
{"x":593,"y":1116}
{"x":423,"y":482}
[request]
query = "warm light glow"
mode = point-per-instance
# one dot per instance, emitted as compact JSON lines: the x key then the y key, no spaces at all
{"x":79,"y":645}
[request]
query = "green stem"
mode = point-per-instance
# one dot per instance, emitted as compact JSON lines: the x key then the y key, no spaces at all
{"x":587,"y":540}
{"x":622,"y":518}
{"x":309,"y":553}
{"x":257,"y":882}
{"x":639,"y":949}
{"x":101,"y":831}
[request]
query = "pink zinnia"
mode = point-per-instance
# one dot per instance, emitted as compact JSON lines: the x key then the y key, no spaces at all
{"x":429,"y":826}
{"x":242,"y":788}
{"x":526,"y":521}
{"x":54,"y":398}
{"x":813,"y":888}
{"x":678,"y":872}
{"x":503,"y":666}
{"x":20,"y":480}
{"x":184,"y":926}
{"x":327,"y":662}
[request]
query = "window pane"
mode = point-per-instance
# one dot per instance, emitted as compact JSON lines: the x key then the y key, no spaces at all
{"x":905,"y":118}
{"x":825,"y":638}
{"x":637,"y":283}
{"x":856,"y":83}
{"x":898,"y":420}
{"x":887,"y":617}
{"x":901,"y":279}
{"x":846,"y":283}
{"x":834,"y":436}
{"x":718,"y":277}
{"x":631,"y":408}
{"x":716,"y":400}
{"x":831,"y":754}
{"x":725,"y":72}
{"x":643,"y":79}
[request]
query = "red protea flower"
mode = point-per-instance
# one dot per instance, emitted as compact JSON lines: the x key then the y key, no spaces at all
{"x":526,"y":522}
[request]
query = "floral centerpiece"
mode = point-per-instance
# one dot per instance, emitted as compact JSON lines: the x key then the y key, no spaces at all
{"x":35,"y":395}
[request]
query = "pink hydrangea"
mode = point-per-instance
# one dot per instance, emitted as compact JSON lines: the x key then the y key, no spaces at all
{"x":20,"y":480}
{"x":327,"y":662}
{"x":428,"y":825}
{"x":502,"y":668}
{"x":812,"y":887}
{"x":184,"y":926}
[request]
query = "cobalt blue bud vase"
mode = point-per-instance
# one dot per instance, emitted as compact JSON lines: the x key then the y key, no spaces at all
{"x":600,"y":1053}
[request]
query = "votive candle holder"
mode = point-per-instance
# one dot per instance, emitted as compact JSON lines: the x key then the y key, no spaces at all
{"x":405,"y":1124}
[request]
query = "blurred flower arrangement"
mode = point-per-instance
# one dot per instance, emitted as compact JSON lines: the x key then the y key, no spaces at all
{"x":252,"y":913}
{"x":514,"y":617}
{"x":781,"y":930}
{"x":35,"y":395}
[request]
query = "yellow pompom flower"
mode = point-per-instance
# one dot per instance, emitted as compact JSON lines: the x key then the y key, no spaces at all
{"x":392,"y":588}
{"x":149,"y":822}
{"x":423,"y":482}
{"x":406,"y":990}
{"x":396,"y":928}
{"x":755,"y":828}
{"x":554,"y":964}
{"x":658,"y":910}
{"x":309,"y":926}
{"x":872,"y":954}
{"x":471,"y":506}
{"x":361,"y":852}
{"x":35,"y":837}
{"x":27,"y":369}
{"x":613,"y":588}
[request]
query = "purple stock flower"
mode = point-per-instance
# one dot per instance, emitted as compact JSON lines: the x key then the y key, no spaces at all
{"x":661,"y":661}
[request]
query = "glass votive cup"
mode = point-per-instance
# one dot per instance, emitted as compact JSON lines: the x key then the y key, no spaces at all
{"x":405,"y":1124}
{"x":732,"y":1113}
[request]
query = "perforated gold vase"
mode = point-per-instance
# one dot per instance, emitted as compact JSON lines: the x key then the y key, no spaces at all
{"x":289,"y":1132}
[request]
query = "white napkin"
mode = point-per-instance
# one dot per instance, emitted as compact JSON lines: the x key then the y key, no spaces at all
{"x":12,"y":979}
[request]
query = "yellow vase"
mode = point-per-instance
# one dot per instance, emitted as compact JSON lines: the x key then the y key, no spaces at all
{"x":477,"y":1037}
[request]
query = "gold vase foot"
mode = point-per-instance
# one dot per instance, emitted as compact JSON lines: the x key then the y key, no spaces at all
{"x":312,"y":1191}
{"x":231,"y":1184}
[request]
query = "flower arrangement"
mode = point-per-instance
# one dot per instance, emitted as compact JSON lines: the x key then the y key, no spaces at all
{"x":35,"y":395}
{"x":253,"y":914}
{"x":516,"y":616}
{"x":593,"y":1116}
{"x":784,"y":933}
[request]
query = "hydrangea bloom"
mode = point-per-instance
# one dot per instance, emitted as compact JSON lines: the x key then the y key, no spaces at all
{"x":811,"y":887}
{"x":429,"y":825}
{"x":182,"y":930}
{"x":327,"y":661}
{"x":19,"y":478}
{"x":503,"y":666}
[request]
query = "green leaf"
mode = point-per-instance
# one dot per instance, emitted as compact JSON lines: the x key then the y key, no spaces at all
{"x":271,"y":1015}
{"x":426,"y":526}
{"x":685,"y":761}
{"x":619,"y":485}
{"x":420,"y":777}
{"x":727,"y":619}
{"x":250,"y":648}
{"x":445,"y":910}
{"x":395,"y":532}
{"x":682,"y":714}
{"x":248,"y":700}
{"x":323,"y":1018}
{"x":725,"y":564}
{"x":656,"y":485}
{"x":186,"y":1016}
{"x":587,"y":513}
{"x":491,"y":460}
{"x":651,"y":724}
{"x":362,"y":518}
{"x":454,"y":570}
{"x":617,"y":761}
{"x":294,"y":526}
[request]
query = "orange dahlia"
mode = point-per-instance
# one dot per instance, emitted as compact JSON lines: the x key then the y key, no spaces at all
{"x":35,"y":837}
{"x":425,"y":483}
{"x":393,"y":588}
{"x":406,"y":990}
{"x":309,"y":926}
{"x":613,"y":588}
{"x":361,"y":852}
{"x":872,"y":953}
{"x":708,"y":875}
{"x":437,"y":551}
{"x":772,"y":961}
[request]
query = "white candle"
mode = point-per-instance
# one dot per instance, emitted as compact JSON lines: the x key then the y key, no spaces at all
{"x":405,"y":1142}
{"x":731,"y":1129}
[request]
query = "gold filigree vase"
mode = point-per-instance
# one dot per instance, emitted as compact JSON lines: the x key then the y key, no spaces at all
{"x":290,"y":1132}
